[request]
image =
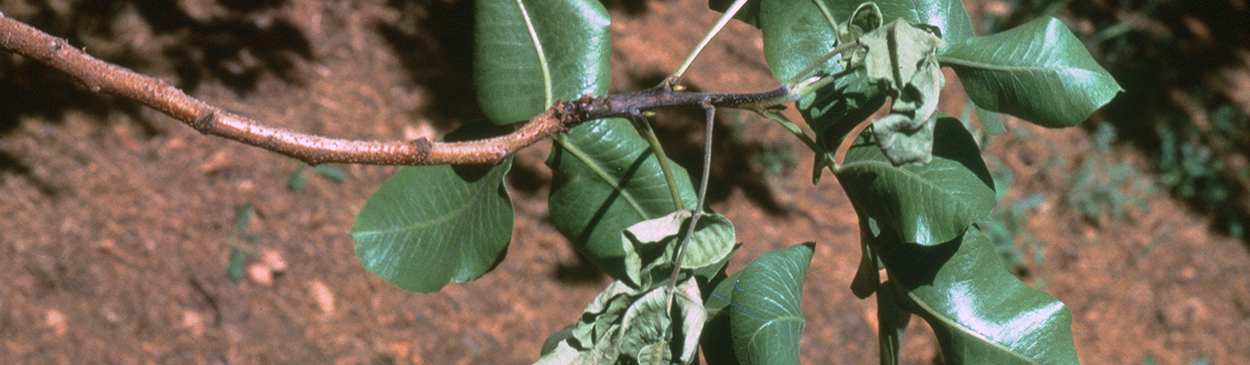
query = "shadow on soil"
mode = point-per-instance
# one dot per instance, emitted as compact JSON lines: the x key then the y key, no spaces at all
{"x":1173,"y":60}
{"x":434,"y":41}
{"x":628,"y":7}
{"x":236,"y":49}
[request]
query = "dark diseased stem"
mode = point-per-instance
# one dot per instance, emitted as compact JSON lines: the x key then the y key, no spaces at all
{"x":702,"y":196}
{"x":100,"y":76}
{"x":623,"y":105}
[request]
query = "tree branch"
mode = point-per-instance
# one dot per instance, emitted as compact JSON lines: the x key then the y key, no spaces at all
{"x":100,"y":76}
{"x":103,"y":77}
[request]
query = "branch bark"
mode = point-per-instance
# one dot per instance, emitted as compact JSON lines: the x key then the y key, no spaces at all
{"x":103,"y":77}
{"x":100,"y":76}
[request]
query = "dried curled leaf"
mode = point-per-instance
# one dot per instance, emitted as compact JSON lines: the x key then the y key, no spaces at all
{"x":901,"y":58}
{"x":906,"y":135}
{"x":631,"y":326}
{"x":866,"y":18}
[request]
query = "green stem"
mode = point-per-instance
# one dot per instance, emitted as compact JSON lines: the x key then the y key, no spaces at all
{"x":724,"y":19}
{"x":794,"y":129}
{"x":803,"y":77}
{"x":828,"y":14}
{"x":665,"y":164}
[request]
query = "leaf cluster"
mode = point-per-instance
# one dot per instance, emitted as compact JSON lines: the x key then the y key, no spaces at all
{"x":915,"y":178}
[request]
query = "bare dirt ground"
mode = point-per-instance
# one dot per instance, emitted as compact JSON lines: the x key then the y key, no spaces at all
{"x":118,"y":221}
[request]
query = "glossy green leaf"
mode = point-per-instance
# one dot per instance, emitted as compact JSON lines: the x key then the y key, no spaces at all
{"x":717,"y":340}
{"x":835,"y":110}
{"x":766,"y":317}
{"x":429,"y":225}
{"x":949,"y":16}
{"x":651,"y":247}
{"x":799,"y":32}
{"x":868,"y":274}
{"x":892,"y":321}
{"x":927,"y":203}
{"x":604,"y":180}
{"x":1039,"y":72}
{"x":530,"y":53}
{"x":980,"y":313}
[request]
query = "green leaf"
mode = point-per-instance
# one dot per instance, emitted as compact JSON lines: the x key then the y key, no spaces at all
{"x":991,"y":122}
{"x":796,"y":35}
{"x":604,"y":180}
{"x":926,"y":203}
{"x":799,"y":32}
{"x":949,"y":16}
{"x":766,"y":319}
{"x":236,"y":264}
{"x":892,"y":323}
{"x":980,"y":313}
{"x":297,"y":180}
{"x":835,"y":110}
{"x":651,"y":247}
{"x":556,"y":339}
{"x":428,"y":225}
{"x":868,"y":274}
{"x":330,"y":172}
{"x":717,"y":339}
{"x":242,"y":216}
{"x":530,"y":53}
{"x":1039,"y":72}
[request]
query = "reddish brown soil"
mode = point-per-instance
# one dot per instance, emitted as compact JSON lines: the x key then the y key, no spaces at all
{"x":118,"y":221}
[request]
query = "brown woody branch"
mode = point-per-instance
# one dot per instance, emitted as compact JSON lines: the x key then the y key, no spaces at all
{"x":100,"y":76}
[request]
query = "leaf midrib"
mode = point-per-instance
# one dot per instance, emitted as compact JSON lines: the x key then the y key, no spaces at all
{"x":593,"y":165}
{"x":911,"y":175}
{"x":949,"y":322}
{"x":472,"y":201}
{"x":952,"y":61}
{"x":538,"y":49}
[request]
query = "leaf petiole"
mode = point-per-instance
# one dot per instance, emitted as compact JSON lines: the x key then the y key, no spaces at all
{"x":665,"y":165}
{"x":720,"y":24}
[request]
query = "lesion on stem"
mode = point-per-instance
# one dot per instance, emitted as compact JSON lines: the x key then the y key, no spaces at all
{"x":103,"y":77}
